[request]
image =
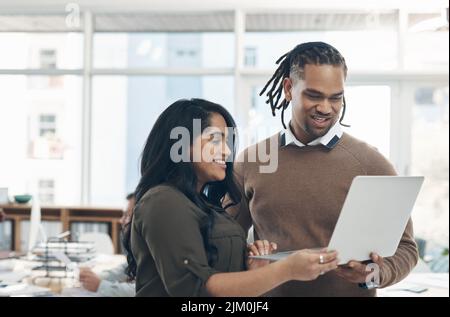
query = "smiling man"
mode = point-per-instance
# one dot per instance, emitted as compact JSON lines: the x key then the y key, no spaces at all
{"x":298,"y":205}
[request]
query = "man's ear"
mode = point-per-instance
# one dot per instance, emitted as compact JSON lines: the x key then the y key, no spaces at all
{"x":287,"y":88}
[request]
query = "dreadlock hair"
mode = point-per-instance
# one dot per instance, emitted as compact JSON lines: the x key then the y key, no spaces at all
{"x":293,"y":63}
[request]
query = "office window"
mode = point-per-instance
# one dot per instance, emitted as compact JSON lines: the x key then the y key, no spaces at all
{"x":427,"y":42}
{"x":184,"y":50}
{"x":46,"y":191}
{"x":250,"y":56}
{"x":40,"y":132}
{"x":426,"y":51}
{"x":179,"y":87}
{"x":369,"y":117}
{"x":260,"y":123}
{"x":48,"y":59}
{"x":47,"y":125}
{"x":6,"y":235}
{"x":134,"y":50}
{"x":124,"y":111}
{"x":271,"y":45}
{"x":430,"y":139}
{"x":41,"y":50}
{"x":46,"y":142}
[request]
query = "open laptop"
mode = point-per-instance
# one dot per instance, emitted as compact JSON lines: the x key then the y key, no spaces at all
{"x":373,"y":218}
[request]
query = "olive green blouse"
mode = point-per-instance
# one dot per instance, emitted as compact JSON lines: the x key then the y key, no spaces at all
{"x":168,"y":246}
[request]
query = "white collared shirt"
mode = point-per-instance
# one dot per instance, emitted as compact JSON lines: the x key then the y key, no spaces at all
{"x":329,"y":140}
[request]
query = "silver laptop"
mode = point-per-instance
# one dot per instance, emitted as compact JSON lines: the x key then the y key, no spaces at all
{"x":373,"y":218}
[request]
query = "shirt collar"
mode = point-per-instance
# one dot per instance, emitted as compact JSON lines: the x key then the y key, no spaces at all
{"x":329,"y":140}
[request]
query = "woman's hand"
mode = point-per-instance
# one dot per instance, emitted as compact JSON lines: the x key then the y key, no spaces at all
{"x":259,"y":247}
{"x":307,"y":265}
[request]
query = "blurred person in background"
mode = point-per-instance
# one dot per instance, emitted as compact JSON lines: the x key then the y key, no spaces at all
{"x":114,"y":282}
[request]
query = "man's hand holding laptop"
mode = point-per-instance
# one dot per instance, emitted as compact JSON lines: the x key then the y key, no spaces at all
{"x":357,"y":272}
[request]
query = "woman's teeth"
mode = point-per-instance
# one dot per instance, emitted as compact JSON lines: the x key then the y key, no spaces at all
{"x":219,"y":162}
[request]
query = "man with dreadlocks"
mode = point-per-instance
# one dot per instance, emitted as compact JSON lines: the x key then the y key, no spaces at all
{"x":298,"y":205}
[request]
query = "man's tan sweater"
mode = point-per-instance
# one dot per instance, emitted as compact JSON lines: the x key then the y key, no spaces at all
{"x":298,"y":206}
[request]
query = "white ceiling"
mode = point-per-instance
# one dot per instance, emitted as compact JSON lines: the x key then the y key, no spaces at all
{"x":212,"y":15}
{"x":22,"y":6}
{"x":224,"y":21}
{"x":201,"y":21}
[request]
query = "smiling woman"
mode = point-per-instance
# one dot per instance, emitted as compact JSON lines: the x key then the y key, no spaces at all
{"x":202,"y":183}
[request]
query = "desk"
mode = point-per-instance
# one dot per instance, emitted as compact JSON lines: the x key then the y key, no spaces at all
{"x":433,"y":284}
{"x":34,"y":284}
{"x":437,"y":284}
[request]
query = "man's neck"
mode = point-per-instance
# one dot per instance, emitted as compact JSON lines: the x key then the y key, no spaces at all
{"x":300,"y":134}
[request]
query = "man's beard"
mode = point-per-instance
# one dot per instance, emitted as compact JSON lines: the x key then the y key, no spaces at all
{"x":314,"y":133}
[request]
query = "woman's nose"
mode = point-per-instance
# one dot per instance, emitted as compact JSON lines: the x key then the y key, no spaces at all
{"x":226,"y":150}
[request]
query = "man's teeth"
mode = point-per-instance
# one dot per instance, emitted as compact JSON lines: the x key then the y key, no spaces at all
{"x":320,"y":119}
{"x":220,"y":162}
